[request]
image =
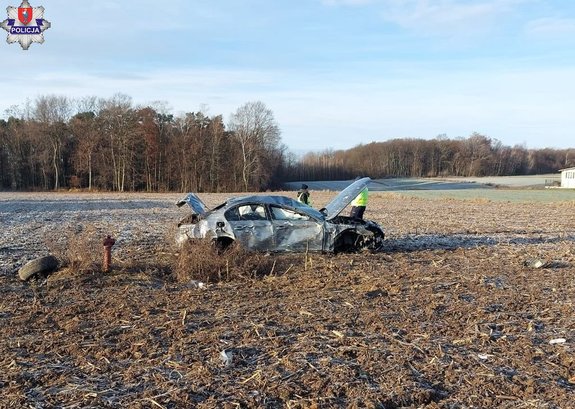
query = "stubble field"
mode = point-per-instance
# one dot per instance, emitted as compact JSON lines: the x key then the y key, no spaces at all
{"x":469,"y":305}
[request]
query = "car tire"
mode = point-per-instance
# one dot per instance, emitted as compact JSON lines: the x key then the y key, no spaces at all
{"x":45,"y":265}
{"x":222,"y":244}
{"x":346,"y":243}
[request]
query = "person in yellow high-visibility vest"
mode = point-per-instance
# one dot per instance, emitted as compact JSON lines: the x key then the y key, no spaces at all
{"x":359,"y":204}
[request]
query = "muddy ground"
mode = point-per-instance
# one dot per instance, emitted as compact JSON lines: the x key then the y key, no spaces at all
{"x":453,"y":313}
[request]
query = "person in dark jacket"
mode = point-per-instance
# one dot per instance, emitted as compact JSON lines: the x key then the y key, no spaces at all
{"x":303,"y":195}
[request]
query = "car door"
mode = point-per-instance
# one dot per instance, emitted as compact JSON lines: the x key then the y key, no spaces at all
{"x":294,"y":231}
{"x":251,"y":226}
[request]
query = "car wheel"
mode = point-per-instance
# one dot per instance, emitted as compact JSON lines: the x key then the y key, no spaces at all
{"x":374,"y":243}
{"x":45,"y":265}
{"x":347,"y":242}
{"x":223,"y":243}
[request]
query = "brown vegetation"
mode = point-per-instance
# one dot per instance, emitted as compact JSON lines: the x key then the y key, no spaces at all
{"x":109,"y":144}
{"x":452,"y":314}
{"x":204,"y":262}
{"x":477,"y":155}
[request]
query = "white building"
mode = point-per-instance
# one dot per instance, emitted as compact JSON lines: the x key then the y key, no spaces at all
{"x":568,"y":178}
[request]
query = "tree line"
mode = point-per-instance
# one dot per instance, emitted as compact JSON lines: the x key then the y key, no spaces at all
{"x":110,"y":144}
{"x":477,"y":155}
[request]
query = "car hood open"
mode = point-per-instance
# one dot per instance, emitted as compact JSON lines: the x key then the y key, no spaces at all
{"x":340,"y":202}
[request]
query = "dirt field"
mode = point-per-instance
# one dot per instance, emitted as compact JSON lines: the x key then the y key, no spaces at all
{"x":453,"y":313}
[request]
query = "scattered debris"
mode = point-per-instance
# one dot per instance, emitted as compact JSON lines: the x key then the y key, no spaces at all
{"x":558,"y":341}
{"x":196,"y":284}
{"x":535,"y":263}
{"x":226,"y":357}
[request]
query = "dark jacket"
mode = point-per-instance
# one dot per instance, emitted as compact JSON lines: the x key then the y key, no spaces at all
{"x":303,"y":197}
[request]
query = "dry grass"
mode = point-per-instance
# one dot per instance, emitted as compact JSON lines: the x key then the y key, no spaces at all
{"x":78,"y":250}
{"x":202,"y":261}
{"x":451,"y":316}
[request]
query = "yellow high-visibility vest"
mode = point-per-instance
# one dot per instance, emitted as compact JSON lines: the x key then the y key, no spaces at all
{"x":361,"y":199}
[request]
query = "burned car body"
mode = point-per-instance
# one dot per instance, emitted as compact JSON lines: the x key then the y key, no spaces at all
{"x":280,"y":223}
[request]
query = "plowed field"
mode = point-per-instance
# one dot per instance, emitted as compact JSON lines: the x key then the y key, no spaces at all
{"x":469,"y":305}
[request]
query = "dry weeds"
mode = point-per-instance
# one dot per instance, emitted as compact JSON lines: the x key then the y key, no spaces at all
{"x":79,"y":250}
{"x":202,"y":261}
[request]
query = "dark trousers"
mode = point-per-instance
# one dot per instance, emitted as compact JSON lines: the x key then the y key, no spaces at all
{"x":357,"y":212}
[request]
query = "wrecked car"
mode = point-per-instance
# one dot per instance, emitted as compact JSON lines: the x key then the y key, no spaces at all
{"x":280,"y":223}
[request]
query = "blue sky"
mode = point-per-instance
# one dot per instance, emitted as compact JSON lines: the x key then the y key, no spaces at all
{"x":335,"y":73}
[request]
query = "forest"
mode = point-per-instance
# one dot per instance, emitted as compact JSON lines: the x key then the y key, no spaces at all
{"x":110,"y":144}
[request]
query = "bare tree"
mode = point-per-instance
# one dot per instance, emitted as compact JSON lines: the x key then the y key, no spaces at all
{"x":119,"y":123}
{"x":216,"y":130}
{"x":258,"y":134}
{"x":84,"y":128}
{"x":52,"y":112}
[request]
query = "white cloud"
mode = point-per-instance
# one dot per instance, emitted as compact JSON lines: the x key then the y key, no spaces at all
{"x":185,"y":89}
{"x":438,"y":16}
{"x":551,"y":27}
{"x":417,"y":14}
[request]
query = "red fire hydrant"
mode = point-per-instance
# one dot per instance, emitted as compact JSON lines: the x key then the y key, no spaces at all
{"x":108,"y":243}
